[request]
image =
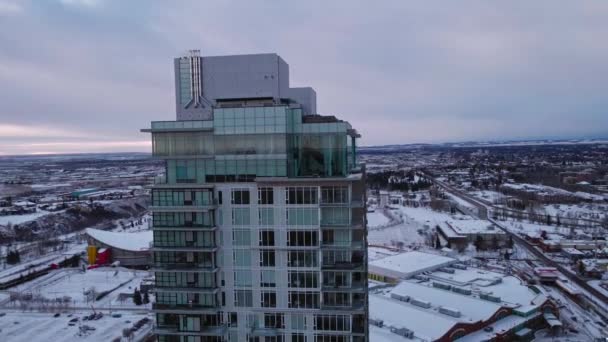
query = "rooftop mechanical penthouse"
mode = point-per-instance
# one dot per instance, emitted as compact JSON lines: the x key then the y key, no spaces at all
{"x":259,"y":222}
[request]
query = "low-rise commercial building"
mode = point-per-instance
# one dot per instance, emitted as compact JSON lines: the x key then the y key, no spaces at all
{"x":457,"y":303}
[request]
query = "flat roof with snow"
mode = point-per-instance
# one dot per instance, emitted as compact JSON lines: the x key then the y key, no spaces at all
{"x":464,"y":227}
{"x":471,"y":308}
{"x":429,"y":324}
{"x":408,"y":264}
{"x":134,"y":242}
{"x":426,"y":324}
{"x":512,"y":291}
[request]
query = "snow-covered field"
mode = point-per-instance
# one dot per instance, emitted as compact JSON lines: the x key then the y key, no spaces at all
{"x":43,"y":327}
{"x":526,"y":227}
{"x":12,"y":272}
{"x":585,"y":211}
{"x":411,"y":227}
{"x":405,"y":232}
{"x":493,"y":197}
{"x":376,"y":218}
{"x":17,"y":219}
{"x":74,"y":283}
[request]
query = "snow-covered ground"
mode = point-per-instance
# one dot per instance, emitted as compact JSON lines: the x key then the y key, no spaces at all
{"x":42,"y":327}
{"x":376,"y":218}
{"x":584,"y":210}
{"x":535,"y":228}
{"x":597,"y":284}
{"x":405,"y":230}
{"x":18,"y":219}
{"x":74,"y":283}
{"x":376,"y":253}
{"x":493,"y":197}
{"x":12,"y":272}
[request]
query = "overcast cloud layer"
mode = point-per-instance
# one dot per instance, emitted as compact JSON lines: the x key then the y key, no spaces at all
{"x":86,"y":75}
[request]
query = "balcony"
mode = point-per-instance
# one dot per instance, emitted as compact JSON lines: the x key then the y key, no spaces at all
{"x":355,"y":202}
{"x":180,"y":126}
{"x":161,"y":182}
{"x":302,"y":264}
{"x":183,"y":267}
{"x":354,"y":306}
{"x":210,"y":330}
{"x":354,"y":287}
{"x":354,"y":224}
{"x":184,"y":308}
{"x":189,"y":289}
{"x":186,"y":226}
{"x":190,"y":206}
{"x":261,"y":332}
{"x":185,"y":248}
{"x":342,"y":245}
{"x":343,"y":265}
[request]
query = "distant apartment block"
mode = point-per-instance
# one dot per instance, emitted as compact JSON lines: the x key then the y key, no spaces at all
{"x":259,"y":222}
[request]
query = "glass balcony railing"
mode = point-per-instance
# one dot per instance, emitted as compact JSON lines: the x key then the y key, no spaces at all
{"x":342,"y":244}
{"x":353,"y":305}
{"x":185,"y":246}
{"x":342,"y":265}
{"x":185,"y":266}
{"x":181,"y":125}
{"x":178,"y":307}
{"x":191,"y":288}
{"x":205,"y":330}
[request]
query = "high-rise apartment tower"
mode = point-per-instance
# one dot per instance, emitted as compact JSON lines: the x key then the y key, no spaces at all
{"x":259,"y":221}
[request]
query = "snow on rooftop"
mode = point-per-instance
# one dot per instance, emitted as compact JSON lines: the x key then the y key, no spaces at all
{"x":511,"y":290}
{"x":427,"y":325}
{"x":408,"y":263}
{"x":472,"y":309}
{"x":473,"y":227}
{"x":501,"y":326}
{"x":138,"y":241}
{"x":430,"y":324}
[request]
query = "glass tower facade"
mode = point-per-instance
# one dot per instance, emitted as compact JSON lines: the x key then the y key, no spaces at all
{"x":259,"y":228}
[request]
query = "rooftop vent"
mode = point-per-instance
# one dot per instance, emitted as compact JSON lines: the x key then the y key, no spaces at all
{"x":403,"y":332}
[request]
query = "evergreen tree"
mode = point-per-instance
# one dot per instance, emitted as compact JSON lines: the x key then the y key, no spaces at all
{"x":137,"y":297}
{"x":10,"y":258}
{"x":478,"y":242}
{"x":495,"y":243}
{"x":13,"y":257}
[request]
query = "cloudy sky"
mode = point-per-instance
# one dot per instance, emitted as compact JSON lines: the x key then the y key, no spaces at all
{"x":86,"y":75}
